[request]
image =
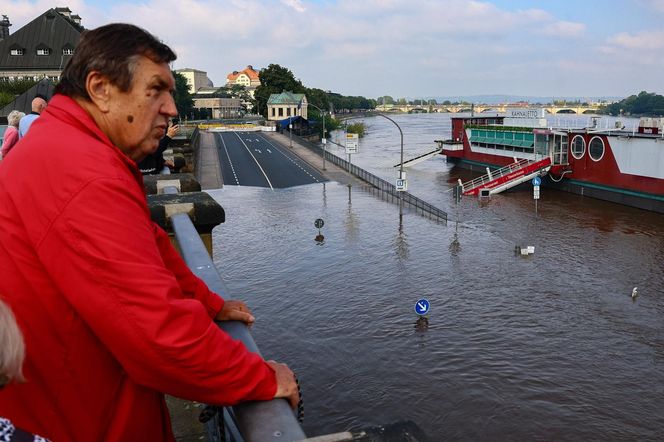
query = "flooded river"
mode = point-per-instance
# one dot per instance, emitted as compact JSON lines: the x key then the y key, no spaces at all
{"x":545,"y":347}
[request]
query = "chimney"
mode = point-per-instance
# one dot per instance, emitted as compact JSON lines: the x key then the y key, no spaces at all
{"x":4,"y":27}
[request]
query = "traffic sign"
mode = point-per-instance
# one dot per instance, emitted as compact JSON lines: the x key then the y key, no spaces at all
{"x":537,"y":181}
{"x":352,"y":143}
{"x":402,"y":185}
{"x":536,"y":192}
{"x":422,"y":307}
{"x":319,"y":223}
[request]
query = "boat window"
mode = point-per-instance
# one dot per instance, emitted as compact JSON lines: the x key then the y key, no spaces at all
{"x":578,"y":147}
{"x":596,"y":149}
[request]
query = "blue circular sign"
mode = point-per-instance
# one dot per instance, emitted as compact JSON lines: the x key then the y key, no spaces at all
{"x":422,"y":307}
{"x":537,"y":181}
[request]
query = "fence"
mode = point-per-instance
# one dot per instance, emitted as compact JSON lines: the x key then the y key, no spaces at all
{"x":387,"y":191}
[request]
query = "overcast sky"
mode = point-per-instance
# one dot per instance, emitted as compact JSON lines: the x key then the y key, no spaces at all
{"x":405,"y":48}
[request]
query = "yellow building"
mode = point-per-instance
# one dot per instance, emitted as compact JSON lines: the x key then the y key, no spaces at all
{"x":247,"y":78}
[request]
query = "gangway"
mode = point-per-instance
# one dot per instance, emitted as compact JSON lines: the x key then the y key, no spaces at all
{"x":421,"y":158}
{"x":506,"y":177}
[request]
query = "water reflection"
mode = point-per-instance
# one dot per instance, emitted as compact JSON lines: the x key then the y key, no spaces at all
{"x":401,"y":239}
{"x":352,"y":221}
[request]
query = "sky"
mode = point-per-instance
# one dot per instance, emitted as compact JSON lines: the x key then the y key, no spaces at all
{"x":405,"y":48}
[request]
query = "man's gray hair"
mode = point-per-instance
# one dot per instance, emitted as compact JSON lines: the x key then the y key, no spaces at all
{"x":12,"y":348}
{"x":14,"y":117}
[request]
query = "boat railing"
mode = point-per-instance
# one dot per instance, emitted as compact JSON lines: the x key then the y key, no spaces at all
{"x":492,"y":175}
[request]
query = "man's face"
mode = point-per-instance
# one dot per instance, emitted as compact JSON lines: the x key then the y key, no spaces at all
{"x":137,"y":119}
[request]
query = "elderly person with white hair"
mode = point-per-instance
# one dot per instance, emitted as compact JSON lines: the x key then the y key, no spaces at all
{"x":11,"y":134}
{"x":12,"y":354}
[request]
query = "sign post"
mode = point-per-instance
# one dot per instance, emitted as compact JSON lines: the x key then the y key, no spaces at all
{"x":402,"y":182}
{"x":536,"y":190}
{"x":352,"y":145}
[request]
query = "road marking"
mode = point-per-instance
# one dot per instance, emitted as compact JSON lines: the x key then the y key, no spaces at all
{"x":257,"y":163}
{"x":297,"y":163}
{"x":257,"y":150}
{"x":229,"y":159}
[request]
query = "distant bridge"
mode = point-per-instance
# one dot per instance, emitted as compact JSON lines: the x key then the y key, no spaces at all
{"x":483,"y":108}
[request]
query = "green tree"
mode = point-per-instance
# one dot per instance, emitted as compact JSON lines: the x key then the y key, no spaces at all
{"x":183,"y":100}
{"x":275,"y":79}
{"x":10,"y":89}
{"x":645,"y":103}
{"x":385,"y":99}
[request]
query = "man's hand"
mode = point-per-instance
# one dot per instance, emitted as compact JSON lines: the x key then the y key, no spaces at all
{"x":235,"y":311}
{"x":286,"y":386}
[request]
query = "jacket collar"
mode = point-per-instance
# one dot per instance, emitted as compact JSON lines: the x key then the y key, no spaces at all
{"x":70,"y":112}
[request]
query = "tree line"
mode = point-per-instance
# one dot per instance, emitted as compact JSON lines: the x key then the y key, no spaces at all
{"x":645,"y":103}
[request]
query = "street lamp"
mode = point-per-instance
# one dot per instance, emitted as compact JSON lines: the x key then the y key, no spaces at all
{"x":290,"y":131}
{"x":323,"y":140}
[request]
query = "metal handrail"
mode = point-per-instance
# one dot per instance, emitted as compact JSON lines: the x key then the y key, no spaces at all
{"x":379,"y":183}
{"x":484,"y":179}
{"x":257,"y":421}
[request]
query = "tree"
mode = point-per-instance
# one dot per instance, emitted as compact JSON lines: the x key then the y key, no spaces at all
{"x":10,"y":89}
{"x":275,"y":79}
{"x":645,"y":103}
{"x":385,"y":99}
{"x":183,"y":101}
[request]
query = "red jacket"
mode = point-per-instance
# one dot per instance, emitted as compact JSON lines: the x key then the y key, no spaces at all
{"x":111,"y":315}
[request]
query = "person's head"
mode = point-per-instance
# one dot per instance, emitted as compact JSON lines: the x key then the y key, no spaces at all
{"x":38,"y":104}
{"x":14,"y":117}
{"x":12,"y":348}
{"x":120,"y":74}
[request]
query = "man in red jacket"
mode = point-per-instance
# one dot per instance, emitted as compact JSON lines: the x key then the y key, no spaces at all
{"x":111,"y":315}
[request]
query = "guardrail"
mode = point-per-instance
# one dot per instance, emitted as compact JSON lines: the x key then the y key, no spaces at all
{"x":252,"y":421}
{"x":424,"y":208}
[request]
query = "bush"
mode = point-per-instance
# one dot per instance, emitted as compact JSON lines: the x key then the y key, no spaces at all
{"x":356,"y":128}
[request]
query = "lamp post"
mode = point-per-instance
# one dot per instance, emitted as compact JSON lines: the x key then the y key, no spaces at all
{"x":323,"y":140}
{"x":290,"y":131}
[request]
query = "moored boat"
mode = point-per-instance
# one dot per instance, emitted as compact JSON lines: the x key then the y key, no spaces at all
{"x":614,"y":164}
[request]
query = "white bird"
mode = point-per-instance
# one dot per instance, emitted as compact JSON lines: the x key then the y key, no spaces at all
{"x":634,"y":293}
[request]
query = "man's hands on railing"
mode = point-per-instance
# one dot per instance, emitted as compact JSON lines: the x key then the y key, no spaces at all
{"x":286,"y":385}
{"x":235,"y":311}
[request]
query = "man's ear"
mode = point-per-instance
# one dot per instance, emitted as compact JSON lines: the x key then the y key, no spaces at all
{"x":99,"y":89}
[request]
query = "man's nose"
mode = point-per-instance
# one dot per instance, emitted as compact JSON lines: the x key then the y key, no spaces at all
{"x":169,"y":107}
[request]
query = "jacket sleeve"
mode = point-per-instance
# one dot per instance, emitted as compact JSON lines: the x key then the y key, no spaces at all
{"x":191,"y":285}
{"x":102,"y":253}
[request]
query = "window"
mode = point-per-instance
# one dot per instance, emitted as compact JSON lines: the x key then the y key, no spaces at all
{"x":596,"y":149}
{"x":281,"y":111}
{"x":18,"y":51}
{"x":288,"y":112}
{"x":43,"y":51}
{"x":578,"y":147}
{"x":68,"y":51}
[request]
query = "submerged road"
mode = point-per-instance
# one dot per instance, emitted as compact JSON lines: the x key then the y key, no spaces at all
{"x":250,"y":159}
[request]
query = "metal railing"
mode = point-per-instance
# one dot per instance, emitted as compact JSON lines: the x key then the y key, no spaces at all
{"x":487,"y":178}
{"x":387,"y":190}
{"x":254,"y":421}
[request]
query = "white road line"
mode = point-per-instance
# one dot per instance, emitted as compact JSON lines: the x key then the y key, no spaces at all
{"x":257,"y":163}
{"x":229,"y":159}
{"x":290,"y":159}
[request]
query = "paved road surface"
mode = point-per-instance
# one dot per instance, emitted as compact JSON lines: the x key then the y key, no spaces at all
{"x":250,"y":159}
